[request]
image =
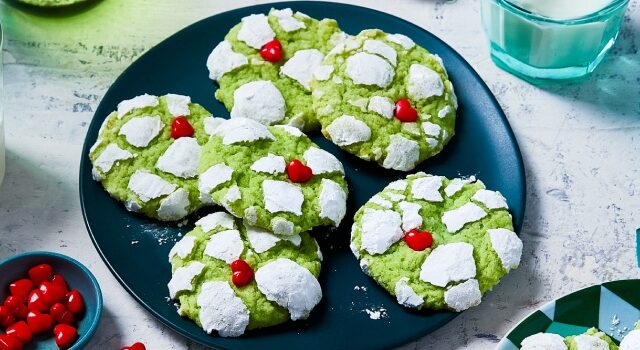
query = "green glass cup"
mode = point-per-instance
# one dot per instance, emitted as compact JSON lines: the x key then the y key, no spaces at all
{"x":537,"y":48}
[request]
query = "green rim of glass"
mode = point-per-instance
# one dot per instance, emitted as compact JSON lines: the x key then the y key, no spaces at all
{"x":605,"y":12}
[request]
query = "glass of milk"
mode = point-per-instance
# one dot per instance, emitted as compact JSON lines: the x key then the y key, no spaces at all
{"x":551,"y":39}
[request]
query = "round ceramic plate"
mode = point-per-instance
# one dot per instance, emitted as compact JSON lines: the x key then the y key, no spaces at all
{"x":612,"y":307}
{"x":135,"y":248}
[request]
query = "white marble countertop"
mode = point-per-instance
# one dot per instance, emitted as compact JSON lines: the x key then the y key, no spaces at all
{"x":580,"y":142}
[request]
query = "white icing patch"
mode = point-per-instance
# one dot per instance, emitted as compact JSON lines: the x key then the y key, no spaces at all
{"x":423,"y":82}
{"x":427,"y":188}
{"x":261,"y":240}
{"x":381,"y":202}
{"x":149,"y":186}
{"x":380,"y":230}
{"x":380,"y":48}
{"x":411,"y":128}
{"x":410,"y":215}
{"x":215,"y":220}
{"x":590,"y":342}
{"x":382,"y":106}
{"x":508,"y":247}
{"x":631,"y":341}
{"x":444,"y":111}
{"x":181,"y":158}
{"x":303,"y":15}
{"x":211,"y":123}
{"x":463,"y":295}
{"x":141,"y":101}
{"x":178,"y":105}
{"x":225,"y":245}
{"x":282,"y":227}
{"x":453,"y":97}
{"x":182,"y":277}
{"x":280,"y":196}
{"x":132,"y":206}
{"x":322,"y":162}
{"x":406,"y":295}
{"x":360,"y":103}
{"x":287,"y":21}
{"x":255,"y":31}
{"x":333,"y":201}
{"x":259,"y":100}
{"x":233,"y":194}
{"x":95,"y":146}
{"x":289,"y":285}
{"x":242,"y":130}
{"x":402,"y":154}
{"x":222,"y":310}
{"x":301,"y":66}
{"x":214,"y":177}
{"x":439,"y":60}
{"x":431,"y":129}
{"x":174,"y":206}
{"x":293,"y":131}
{"x":95,"y":174}
{"x":347,"y":130}
{"x":223,"y":60}
{"x":395,"y":197}
{"x":431,"y":142}
{"x":490,"y":199}
{"x":183,"y":247}
{"x":140,"y":131}
{"x":455,"y":219}
{"x":251,"y":215}
{"x":111,"y":155}
{"x":323,"y":72}
{"x":270,"y":164}
{"x":543,"y":341}
{"x":451,"y":262}
{"x":453,"y":187}
{"x":402,"y":40}
{"x":368,"y":69}
{"x":398,"y":185}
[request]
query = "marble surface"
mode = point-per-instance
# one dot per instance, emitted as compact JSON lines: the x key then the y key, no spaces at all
{"x":580,"y":142}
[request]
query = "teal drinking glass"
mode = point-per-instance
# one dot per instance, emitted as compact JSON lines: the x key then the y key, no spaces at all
{"x":536,"y":47}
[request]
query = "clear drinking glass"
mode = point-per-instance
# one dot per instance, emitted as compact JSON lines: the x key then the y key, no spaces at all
{"x":537,"y":47}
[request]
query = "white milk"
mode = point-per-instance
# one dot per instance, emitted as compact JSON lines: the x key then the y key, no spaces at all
{"x":561,"y":9}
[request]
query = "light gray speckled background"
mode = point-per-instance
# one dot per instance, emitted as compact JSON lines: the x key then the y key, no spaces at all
{"x":580,"y":142}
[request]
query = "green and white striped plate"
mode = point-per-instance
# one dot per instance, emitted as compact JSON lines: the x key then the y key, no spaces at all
{"x":612,"y":307}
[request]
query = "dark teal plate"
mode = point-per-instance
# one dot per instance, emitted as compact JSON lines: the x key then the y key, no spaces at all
{"x":612,"y":307}
{"x":135,"y":248}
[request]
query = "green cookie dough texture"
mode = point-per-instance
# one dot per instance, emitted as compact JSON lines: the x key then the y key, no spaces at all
{"x":355,"y":91}
{"x":243,"y":168}
{"x":593,"y":339}
{"x":474,"y":245}
{"x":272,"y":93}
{"x":284,"y":286}
{"x":139,"y":163}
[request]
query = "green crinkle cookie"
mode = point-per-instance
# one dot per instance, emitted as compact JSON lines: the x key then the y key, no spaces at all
{"x":591,"y":339}
{"x":244,"y":167}
{"x":272,"y":92}
{"x":283,"y":285}
{"x":357,"y":86}
{"x":473,"y":246}
{"x":139,"y":163}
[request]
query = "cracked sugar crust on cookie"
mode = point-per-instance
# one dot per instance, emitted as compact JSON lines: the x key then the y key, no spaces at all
{"x":357,"y":86}
{"x":236,"y":65}
{"x":468,"y":254}
{"x":251,"y":162}
{"x":284,"y":286}
{"x":139,"y":163}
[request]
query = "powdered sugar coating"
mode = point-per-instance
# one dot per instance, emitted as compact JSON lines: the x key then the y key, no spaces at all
{"x":221,"y":310}
{"x":427,"y":188}
{"x":270,"y":164}
{"x":380,"y":229}
{"x":423,"y":82}
{"x":452,"y":262}
{"x":463,"y":296}
{"x":181,"y":158}
{"x":178,"y":105}
{"x":224,"y":60}
{"x":508,"y":247}
{"x":182,"y":277}
{"x":402,"y":40}
{"x":456,"y":219}
{"x":543,"y":341}
{"x":406,"y":296}
{"x":301,"y":66}
{"x":287,"y":21}
{"x":382,"y":106}
{"x":215,"y":220}
{"x":149,"y":186}
{"x":378,"y":47}
{"x":183,"y":247}
{"x":255,"y":31}
{"x":225,"y":245}
{"x":490,"y":199}
{"x":259,"y":100}
{"x":402,"y":154}
{"x":333,"y":201}
{"x":280,"y":196}
{"x":174,"y":206}
{"x":110,"y":156}
{"x":242,"y":130}
{"x":347,"y":130}
{"x":368,"y":69}
{"x":137,"y":102}
{"x":322,"y":162}
{"x":289,"y":285}
{"x":214,"y":177}
{"x":140,"y":131}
